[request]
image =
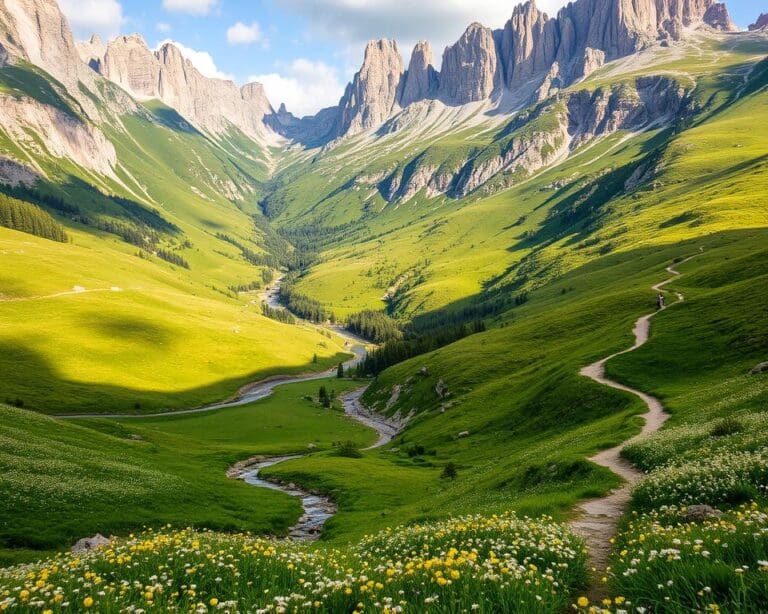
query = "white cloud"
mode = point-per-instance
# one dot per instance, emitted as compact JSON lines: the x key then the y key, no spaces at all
{"x":86,"y":17}
{"x":202,"y":60}
{"x":241,"y":34}
{"x":193,"y":7}
{"x":354,"y":22}
{"x":163,"y":27}
{"x":303,"y":85}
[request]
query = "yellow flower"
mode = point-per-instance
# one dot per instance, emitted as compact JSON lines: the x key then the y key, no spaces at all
{"x":583,"y":602}
{"x":87,"y":602}
{"x":214,"y":602}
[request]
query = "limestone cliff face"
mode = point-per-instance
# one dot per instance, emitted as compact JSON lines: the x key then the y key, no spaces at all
{"x":470,"y":69}
{"x":587,"y":33}
{"x":129,"y":63}
{"x":529,"y":44}
{"x":375,"y":90}
{"x":718,"y":17}
{"x":92,"y":52}
{"x":421,"y":78}
{"x":534,"y":56}
{"x":36,"y":31}
{"x":211,"y":104}
{"x":56,"y":134}
{"x":541,"y":137}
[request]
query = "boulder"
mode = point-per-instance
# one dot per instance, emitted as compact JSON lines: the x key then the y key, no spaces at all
{"x":700,"y":513}
{"x":441,"y":389}
{"x":761,"y":368}
{"x":90,"y":543}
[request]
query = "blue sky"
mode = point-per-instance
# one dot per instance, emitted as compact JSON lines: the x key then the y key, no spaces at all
{"x":304,"y":51}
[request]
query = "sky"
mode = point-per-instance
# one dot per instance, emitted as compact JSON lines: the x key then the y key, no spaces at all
{"x":303,"y":51}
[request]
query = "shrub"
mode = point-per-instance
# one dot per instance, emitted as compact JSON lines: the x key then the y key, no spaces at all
{"x":727,"y":426}
{"x":348,"y":449}
{"x":450,"y":472}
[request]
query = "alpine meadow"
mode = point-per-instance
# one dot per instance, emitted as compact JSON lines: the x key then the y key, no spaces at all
{"x":490,"y":334}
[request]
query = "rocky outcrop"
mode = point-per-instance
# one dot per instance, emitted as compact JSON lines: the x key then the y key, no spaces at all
{"x":717,"y":16}
{"x":592,"y":60}
{"x":37,"y":31}
{"x":529,"y":44}
{"x":14,"y":173}
{"x":129,"y":63}
{"x":3,"y":56}
{"x":760,"y":24}
{"x":375,"y":90}
{"x":90,"y":543}
{"x":470,"y":69}
{"x":45,"y":130}
{"x":421,"y":78}
{"x":92,"y":52}
{"x":213,"y":105}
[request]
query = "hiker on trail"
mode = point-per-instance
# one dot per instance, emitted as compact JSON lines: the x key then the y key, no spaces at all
{"x":660,"y":302}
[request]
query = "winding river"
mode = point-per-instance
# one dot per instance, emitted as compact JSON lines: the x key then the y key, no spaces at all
{"x":317,"y":508}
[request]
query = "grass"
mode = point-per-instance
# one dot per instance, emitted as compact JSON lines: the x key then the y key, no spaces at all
{"x":664,"y":562}
{"x":146,"y":338}
{"x":471,"y":563}
{"x":61,"y":481}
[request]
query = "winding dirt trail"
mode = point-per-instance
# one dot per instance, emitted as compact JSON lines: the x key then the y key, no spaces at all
{"x":599,"y":518}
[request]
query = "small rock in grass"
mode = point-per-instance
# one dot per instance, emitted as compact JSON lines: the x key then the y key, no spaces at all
{"x":699,"y":513}
{"x":761,"y":368}
{"x":90,"y":543}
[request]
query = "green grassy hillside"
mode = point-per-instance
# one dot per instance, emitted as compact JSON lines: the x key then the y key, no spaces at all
{"x":695,"y":177}
{"x":139,"y":310}
{"x":61,"y":480}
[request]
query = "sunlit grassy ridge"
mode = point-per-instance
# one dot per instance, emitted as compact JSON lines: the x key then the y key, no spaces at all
{"x":100,"y":329}
{"x":134,"y":335}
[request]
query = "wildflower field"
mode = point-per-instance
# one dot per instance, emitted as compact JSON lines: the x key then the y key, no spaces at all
{"x":483,"y":564}
{"x":664,"y":563}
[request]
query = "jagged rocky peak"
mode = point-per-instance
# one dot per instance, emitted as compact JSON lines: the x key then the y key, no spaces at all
{"x":374,"y":92}
{"x":255,"y":97}
{"x":529,"y":44}
{"x":36,"y":31}
{"x":718,"y":17}
{"x":130,"y":63}
{"x":760,"y":24}
{"x":92,"y":52}
{"x":421,"y":79}
{"x":470,"y":67}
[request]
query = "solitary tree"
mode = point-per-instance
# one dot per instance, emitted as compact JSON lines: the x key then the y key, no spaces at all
{"x":450,"y":472}
{"x":340,"y":371}
{"x":325,"y":399}
{"x":314,"y":359}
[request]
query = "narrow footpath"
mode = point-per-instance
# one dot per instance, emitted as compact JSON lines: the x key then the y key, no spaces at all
{"x":598,"y":519}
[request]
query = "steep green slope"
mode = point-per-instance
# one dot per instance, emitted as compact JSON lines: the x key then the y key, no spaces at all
{"x":453,"y":248}
{"x":139,"y":311}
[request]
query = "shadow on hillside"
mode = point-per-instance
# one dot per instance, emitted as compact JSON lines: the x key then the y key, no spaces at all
{"x":29,"y":380}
